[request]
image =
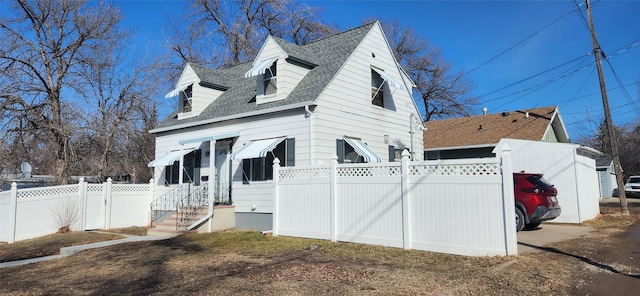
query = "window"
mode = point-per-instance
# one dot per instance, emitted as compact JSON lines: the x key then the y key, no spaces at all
{"x":270,"y":83}
{"x":346,"y":153}
{"x":261,"y":169}
{"x":395,"y":154}
{"x":377,"y":89}
{"x":190,"y":173}
{"x":186,"y":99}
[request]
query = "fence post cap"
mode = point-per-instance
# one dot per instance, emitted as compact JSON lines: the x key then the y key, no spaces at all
{"x":405,"y":153}
{"x":334,"y":157}
{"x":81,"y":179}
{"x":276,"y":161}
{"x":506,"y":147}
{"x":109,"y":180}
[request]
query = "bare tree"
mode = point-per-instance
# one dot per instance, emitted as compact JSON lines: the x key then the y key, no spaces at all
{"x":443,"y":94}
{"x":45,"y":43}
{"x":119,"y":94}
{"x":222,"y":33}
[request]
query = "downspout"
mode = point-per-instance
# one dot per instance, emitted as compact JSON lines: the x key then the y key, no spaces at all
{"x":411,"y":132}
{"x":308,"y":115}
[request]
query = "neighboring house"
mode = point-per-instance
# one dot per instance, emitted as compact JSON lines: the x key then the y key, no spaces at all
{"x":476,"y":136}
{"x":344,"y":95}
{"x":606,"y":176}
{"x":538,"y":142}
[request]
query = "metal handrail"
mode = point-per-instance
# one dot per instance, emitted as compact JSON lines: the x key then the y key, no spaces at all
{"x":188,"y":206}
{"x":165,"y":204}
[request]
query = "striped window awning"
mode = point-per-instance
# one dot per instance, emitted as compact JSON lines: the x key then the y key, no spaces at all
{"x":169,"y":159}
{"x":363,"y":150}
{"x":256,"y":149}
{"x":260,"y":68}
{"x":388,"y":79}
{"x":176,"y":91}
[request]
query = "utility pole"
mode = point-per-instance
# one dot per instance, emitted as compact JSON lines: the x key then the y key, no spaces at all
{"x":597,"y":51}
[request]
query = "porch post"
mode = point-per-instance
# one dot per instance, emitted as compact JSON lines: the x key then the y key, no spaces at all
{"x":181,"y":166}
{"x":212,"y":181}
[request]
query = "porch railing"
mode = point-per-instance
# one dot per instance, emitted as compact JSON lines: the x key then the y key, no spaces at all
{"x":162,"y":206}
{"x":189,"y":205}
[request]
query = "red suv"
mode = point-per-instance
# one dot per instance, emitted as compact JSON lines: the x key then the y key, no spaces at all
{"x":535,"y":200}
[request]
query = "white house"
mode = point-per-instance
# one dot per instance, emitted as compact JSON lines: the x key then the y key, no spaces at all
{"x":344,"y":95}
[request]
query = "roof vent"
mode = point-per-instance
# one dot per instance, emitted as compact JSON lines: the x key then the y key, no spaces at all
{"x":505,"y":113}
{"x":480,"y":127}
{"x":526,"y":115}
{"x":484,"y":110}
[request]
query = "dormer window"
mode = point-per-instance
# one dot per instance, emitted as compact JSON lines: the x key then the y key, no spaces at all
{"x":377,"y":89}
{"x":270,"y":82}
{"x":186,"y":99}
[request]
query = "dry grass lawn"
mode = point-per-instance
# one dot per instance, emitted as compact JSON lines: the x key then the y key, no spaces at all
{"x":248,"y":263}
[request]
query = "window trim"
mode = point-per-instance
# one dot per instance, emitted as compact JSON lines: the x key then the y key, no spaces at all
{"x":377,"y":89}
{"x":270,"y":78}
{"x":186,"y":99}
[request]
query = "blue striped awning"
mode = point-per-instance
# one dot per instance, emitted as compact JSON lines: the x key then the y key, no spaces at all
{"x":256,"y":149}
{"x":363,"y":150}
{"x":176,"y":91}
{"x":388,"y":79}
{"x":260,"y":68}
{"x":169,"y":159}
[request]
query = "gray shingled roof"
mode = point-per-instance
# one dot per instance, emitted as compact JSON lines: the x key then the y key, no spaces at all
{"x":329,"y":54}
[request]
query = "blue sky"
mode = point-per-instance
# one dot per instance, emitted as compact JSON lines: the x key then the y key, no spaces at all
{"x":470,"y":33}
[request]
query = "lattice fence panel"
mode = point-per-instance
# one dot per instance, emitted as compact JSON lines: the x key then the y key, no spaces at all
{"x":292,"y":173}
{"x":95,"y":188}
{"x":481,"y":169}
{"x":130,"y":188}
{"x":370,"y":171}
{"x":48,"y":191}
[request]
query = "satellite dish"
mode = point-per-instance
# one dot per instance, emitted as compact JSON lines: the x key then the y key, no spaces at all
{"x":26,"y":170}
{"x":26,"y":167}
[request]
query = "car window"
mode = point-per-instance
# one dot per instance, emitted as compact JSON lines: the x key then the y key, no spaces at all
{"x":634,"y":180}
{"x":539,"y":182}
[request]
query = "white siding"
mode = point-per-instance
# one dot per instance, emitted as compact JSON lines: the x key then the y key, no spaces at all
{"x":345,"y":109}
{"x":291,"y":124}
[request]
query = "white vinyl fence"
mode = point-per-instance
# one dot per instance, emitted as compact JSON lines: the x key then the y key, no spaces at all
{"x":463,"y":207}
{"x":33,"y":212}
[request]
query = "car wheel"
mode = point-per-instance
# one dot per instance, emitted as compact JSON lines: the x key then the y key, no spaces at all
{"x":519,"y":220}
{"x":532,"y":225}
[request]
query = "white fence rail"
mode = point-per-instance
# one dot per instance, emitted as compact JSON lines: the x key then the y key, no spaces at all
{"x":461,"y":207}
{"x":33,"y":212}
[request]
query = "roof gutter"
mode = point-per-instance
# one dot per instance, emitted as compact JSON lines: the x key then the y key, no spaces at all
{"x":590,"y":150}
{"x":231,"y":117}
{"x":461,"y":147}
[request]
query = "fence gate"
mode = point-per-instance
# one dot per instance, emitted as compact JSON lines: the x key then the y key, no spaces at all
{"x":95,"y":207}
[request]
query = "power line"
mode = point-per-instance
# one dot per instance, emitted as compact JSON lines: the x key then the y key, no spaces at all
{"x":520,"y":42}
{"x":535,"y":75}
{"x":547,"y":82}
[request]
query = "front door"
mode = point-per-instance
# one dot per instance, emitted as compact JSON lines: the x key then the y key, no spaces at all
{"x":223,"y":174}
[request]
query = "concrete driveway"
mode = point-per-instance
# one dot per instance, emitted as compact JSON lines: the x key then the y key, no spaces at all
{"x":535,"y":240}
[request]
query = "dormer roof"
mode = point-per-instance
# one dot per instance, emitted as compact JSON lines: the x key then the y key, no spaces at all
{"x":326,"y":56}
